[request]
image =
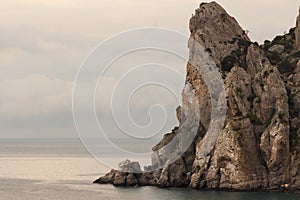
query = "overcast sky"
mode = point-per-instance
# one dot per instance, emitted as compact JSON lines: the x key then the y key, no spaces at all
{"x":43,"y":43}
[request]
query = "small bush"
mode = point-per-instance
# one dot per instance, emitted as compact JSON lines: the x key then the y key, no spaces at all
{"x":281,"y":116}
{"x":265,"y":74}
{"x":244,"y":43}
{"x":292,"y":32}
{"x":256,"y":44}
{"x":288,"y":46}
{"x":208,"y":50}
{"x":274,"y":57}
{"x":267,"y":44}
{"x":238,"y":52}
{"x":293,"y":112}
{"x":239,"y":90}
{"x":278,"y":40}
{"x":258,"y":100}
{"x":285,"y":67}
{"x":296,"y":55}
{"x":251,"y":97}
{"x":254,"y":119}
{"x":293,"y":138}
{"x":223,"y":17}
{"x":231,"y":42}
{"x":272,"y":111}
{"x":228,"y":62}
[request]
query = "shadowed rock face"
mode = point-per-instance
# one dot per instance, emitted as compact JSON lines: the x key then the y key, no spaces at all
{"x":258,"y":148}
{"x":298,"y":32}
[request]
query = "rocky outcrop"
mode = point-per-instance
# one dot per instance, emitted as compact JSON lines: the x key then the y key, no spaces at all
{"x":298,"y":32}
{"x":205,"y":26}
{"x":293,"y":86}
{"x":258,"y":147}
{"x":124,"y":176}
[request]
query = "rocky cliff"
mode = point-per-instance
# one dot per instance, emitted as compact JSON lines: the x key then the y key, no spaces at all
{"x":259,"y":145}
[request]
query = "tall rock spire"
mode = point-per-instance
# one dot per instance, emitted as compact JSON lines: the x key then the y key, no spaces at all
{"x":258,"y":148}
{"x":297,"y":32}
{"x":217,"y":31}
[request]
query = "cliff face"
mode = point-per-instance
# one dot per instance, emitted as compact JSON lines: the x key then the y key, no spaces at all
{"x":297,"y":45}
{"x":258,"y":148}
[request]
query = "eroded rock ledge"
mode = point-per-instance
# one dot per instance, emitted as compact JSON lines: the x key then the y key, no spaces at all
{"x":259,"y":146}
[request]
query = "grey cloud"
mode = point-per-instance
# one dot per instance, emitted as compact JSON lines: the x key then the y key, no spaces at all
{"x":37,"y":40}
{"x":35,"y":95}
{"x":42,"y":44}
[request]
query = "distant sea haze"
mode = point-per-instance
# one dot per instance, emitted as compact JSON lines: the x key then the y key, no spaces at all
{"x":34,"y":169}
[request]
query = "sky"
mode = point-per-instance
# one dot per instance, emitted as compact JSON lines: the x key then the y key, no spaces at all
{"x":43,"y":44}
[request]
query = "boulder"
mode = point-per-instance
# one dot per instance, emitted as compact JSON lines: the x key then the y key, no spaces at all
{"x":277,"y":48}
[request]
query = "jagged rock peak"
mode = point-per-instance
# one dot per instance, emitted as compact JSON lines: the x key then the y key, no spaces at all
{"x":297,"y":32}
{"x":259,"y":146}
{"x":216,"y":30}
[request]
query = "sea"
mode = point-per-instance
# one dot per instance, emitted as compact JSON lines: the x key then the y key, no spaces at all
{"x":44,"y":169}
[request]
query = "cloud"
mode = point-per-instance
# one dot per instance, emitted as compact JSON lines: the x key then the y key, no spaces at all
{"x":42,"y":44}
{"x":38,"y":40}
{"x":26,"y":50}
{"x":36,"y":95}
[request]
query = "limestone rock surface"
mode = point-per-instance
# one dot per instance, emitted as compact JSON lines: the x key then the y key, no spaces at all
{"x":258,"y":149}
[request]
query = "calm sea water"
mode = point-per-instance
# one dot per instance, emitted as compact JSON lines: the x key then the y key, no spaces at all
{"x":62,"y":169}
